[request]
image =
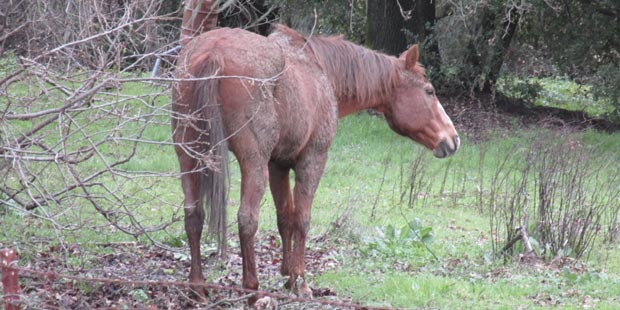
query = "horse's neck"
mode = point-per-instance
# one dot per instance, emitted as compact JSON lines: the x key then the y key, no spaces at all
{"x":350,"y":106}
{"x":361,"y":78}
{"x":377,"y":98}
{"x":367,"y":89}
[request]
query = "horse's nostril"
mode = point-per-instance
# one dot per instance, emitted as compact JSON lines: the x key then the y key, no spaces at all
{"x":447,"y":147}
{"x":444,"y":149}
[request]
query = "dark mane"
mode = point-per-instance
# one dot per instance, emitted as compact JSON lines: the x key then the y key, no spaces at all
{"x":355,"y":71}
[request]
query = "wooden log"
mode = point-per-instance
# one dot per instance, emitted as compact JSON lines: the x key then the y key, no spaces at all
{"x":10,"y":284}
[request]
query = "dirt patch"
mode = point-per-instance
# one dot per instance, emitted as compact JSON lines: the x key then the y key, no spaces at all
{"x":131,"y":262}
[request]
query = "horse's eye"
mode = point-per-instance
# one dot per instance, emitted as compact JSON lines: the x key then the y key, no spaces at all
{"x":430,"y":91}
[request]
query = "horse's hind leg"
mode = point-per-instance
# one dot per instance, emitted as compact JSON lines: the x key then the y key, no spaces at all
{"x":194,"y":219}
{"x":283,"y":199}
{"x":253,"y":183}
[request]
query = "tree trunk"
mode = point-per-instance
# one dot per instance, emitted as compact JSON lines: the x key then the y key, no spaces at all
{"x":199,"y":16}
{"x":511,"y":21}
{"x":251,"y":15}
{"x":385,"y":24}
{"x":421,"y":25}
{"x":496,"y":28}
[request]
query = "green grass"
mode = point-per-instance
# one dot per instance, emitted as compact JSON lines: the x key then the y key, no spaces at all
{"x":364,"y":187}
{"x":523,"y":289}
{"x":461,"y":235}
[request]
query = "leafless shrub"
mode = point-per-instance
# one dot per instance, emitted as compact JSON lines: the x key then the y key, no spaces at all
{"x":569,"y":204}
{"x":555,"y":199}
{"x":75,"y":118}
{"x":610,"y":218}
{"x":416,"y":184}
{"x":92,"y":33}
{"x":505,"y":196}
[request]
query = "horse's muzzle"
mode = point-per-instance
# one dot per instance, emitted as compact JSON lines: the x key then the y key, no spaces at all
{"x":447,"y":147}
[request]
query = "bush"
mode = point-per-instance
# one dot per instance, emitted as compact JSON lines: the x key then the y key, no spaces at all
{"x":554,"y":196}
{"x":607,"y":81}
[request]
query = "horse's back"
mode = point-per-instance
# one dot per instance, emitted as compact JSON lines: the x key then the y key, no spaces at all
{"x":279,"y":103}
{"x":240,"y":52}
{"x":245,"y":67}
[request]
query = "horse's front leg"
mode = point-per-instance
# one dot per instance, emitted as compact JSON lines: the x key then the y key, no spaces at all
{"x":283,"y":199}
{"x":308,"y":172}
{"x":253,"y":182}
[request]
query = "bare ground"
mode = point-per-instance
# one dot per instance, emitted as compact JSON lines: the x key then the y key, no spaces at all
{"x":130,"y":262}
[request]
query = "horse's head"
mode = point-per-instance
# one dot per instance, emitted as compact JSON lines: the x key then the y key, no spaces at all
{"x":415,"y":111}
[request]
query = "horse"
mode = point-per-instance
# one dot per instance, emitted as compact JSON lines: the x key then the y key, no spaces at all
{"x":274,"y":102}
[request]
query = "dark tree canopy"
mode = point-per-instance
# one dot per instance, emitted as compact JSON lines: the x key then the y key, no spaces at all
{"x":466,"y":46}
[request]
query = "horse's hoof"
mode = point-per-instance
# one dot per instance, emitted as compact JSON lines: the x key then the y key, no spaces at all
{"x":266,"y":303}
{"x":290,"y":284}
{"x":200,"y":294}
{"x":304,"y":291}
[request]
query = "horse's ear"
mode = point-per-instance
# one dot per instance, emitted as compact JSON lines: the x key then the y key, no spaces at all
{"x":411,"y":57}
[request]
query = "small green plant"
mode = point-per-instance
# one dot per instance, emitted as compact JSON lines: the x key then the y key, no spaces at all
{"x":398,"y":243}
{"x":515,"y":88}
{"x":139,"y":295}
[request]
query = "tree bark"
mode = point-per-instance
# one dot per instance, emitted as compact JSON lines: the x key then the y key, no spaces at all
{"x":199,"y":16}
{"x":494,"y":30}
{"x":251,"y":15}
{"x":502,"y":43}
{"x":421,"y":25}
{"x":384,"y":27}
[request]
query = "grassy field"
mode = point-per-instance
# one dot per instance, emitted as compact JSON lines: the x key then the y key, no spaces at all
{"x":388,"y":271}
{"x":405,"y":229}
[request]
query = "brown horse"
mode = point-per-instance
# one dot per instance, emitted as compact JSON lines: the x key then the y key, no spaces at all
{"x":275,"y":102}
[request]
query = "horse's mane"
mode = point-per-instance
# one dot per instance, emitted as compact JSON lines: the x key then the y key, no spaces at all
{"x":356,"y":72}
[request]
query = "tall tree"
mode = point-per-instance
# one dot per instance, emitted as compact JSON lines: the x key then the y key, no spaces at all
{"x":198,"y":16}
{"x":394,"y":24}
{"x":385,"y":26}
{"x":421,"y":25}
{"x":500,"y":45}
{"x":496,"y":25}
{"x":483,"y":33}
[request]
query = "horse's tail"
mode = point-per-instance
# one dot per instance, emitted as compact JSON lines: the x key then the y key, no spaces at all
{"x":214,"y":179}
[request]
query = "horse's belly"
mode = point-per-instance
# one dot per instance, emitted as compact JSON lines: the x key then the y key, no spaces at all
{"x":290,"y":145}
{"x":306,"y":115}
{"x":303,"y":133}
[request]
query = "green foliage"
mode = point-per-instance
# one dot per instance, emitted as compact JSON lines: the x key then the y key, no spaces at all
{"x":87,"y":287}
{"x":560,"y":93}
{"x":324,"y":17}
{"x":139,"y":295}
{"x":393,"y":243}
{"x":525,"y":89}
{"x":606,"y":89}
{"x":7,"y":63}
{"x":579,"y":38}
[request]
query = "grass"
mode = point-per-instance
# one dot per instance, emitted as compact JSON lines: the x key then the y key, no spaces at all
{"x":365,"y":188}
{"x":461,"y":237}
